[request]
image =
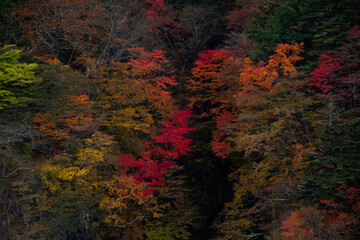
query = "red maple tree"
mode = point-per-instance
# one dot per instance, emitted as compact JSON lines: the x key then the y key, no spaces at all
{"x":160,"y":153}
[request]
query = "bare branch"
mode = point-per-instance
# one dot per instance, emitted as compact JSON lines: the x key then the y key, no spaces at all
{"x":16,"y":170}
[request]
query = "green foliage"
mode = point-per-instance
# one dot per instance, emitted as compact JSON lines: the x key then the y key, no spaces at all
{"x":9,"y":26}
{"x":65,"y":109}
{"x":320,"y":24}
{"x":71,"y":217}
{"x":59,"y":79}
{"x":272,"y":25}
{"x":335,"y":161}
{"x":174,"y":225}
{"x":17,"y":80}
{"x":5,"y":7}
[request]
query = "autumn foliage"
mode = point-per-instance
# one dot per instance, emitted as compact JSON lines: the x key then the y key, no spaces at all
{"x":253,"y":84}
{"x":159,"y":154}
{"x":338,"y":71}
{"x":206,"y":83}
{"x":77,"y":116}
{"x":95,"y":142}
{"x":137,"y":92}
{"x":297,"y":226}
{"x":156,"y":6}
{"x":312,"y":223}
{"x":220,"y":145}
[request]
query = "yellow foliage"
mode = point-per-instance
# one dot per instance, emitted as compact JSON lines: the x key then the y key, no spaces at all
{"x":98,"y":146}
{"x":123,"y":192}
{"x":137,"y":118}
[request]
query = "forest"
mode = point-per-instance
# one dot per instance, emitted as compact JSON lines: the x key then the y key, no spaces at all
{"x":179,"y":120}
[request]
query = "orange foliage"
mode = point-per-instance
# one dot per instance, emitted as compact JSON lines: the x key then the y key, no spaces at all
{"x":299,"y":152}
{"x":254,"y":78}
{"x":57,"y":26}
{"x":246,"y":88}
{"x":72,"y":115}
{"x":310,"y":223}
{"x":79,"y":14}
{"x":206,"y":82}
{"x":298,"y":227}
{"x":220,"y":77}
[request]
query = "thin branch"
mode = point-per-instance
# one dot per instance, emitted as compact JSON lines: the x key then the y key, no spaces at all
{"x":123,"y":226}
{"x":16,"y":170}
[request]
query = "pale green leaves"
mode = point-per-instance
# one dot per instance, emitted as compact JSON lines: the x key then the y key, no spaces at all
{"x":16,"y":79}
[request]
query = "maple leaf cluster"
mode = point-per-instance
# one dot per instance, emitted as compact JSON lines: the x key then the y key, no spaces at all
{"x":159,"y":154}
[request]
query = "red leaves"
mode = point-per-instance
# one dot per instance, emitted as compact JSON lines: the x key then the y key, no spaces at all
{"x":220,"y":146}
{"x":172,"y":135}
{"x":339,"y":216}
{"x":148,"y":170}
{"x":349,"y":196}
{"x":149,"y":67}
{"x":354,"y":32}
{"x":220,"y":77}
{"x":324,"y":76}
{"x":230,"y":82}
{"x":160,"y":153}
{"x":338,"y":71}
{"x":148,"y":62}
{"x":156,"y":6}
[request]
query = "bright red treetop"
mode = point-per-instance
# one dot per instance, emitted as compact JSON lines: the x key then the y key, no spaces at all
{"x":338,"y":72}
{"x":160,"y":153}
{"x":324,"y":76}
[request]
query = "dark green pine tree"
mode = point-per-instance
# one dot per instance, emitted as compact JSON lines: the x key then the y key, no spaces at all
{"x":320,"y":24}
{"x":336,"y":161}
{"x":9,"y":25}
